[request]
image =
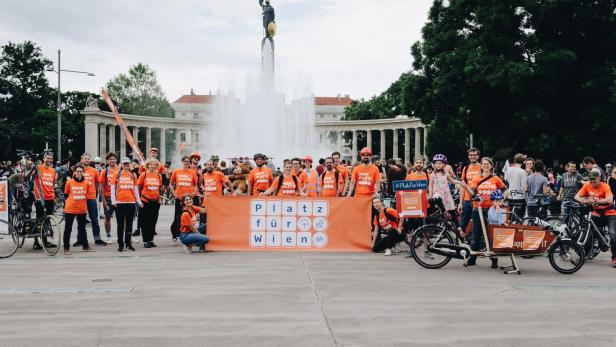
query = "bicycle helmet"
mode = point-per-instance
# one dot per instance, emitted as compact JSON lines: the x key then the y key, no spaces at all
{"x":439,"y":157}
{"x":497,"y":195}
{"x":258,"y":155}
{"x":196,"y":154}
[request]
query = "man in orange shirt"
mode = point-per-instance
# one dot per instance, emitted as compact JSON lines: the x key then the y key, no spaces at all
{"x":212,"y":182}
{"x":343,"y":171}
{"x":469,"y":172}
{"x":107,"y":176}
{"x":331,"y":179}
{"x":91,"y":175}
{"x":44,"y":184}
{"x":260,"y":178}
{"x":183,"y":181}
{"x":366,"y":178}
{"x":298,"y":171}
{"x":599,"y":195}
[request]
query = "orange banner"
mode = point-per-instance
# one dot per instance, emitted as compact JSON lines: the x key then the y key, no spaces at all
{"x":120,"y":121}
{"x":503,"y":238}
{"x":257,"y":223}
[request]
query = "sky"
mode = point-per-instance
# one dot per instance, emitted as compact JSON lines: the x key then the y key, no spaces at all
{"x":323,"y":47}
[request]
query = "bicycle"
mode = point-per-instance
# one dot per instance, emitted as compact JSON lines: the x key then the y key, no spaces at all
{"x":593,"y":238}
{"x":434,"y":245}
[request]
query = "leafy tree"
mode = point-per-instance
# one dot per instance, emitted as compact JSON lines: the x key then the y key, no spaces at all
{"x":23,"y":91}
{"x":138,"y":92}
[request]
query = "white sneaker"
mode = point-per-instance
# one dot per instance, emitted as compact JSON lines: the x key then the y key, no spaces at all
{"x":187,"y":249}
{"x":388,"y":252}
{"x":108,"y":238}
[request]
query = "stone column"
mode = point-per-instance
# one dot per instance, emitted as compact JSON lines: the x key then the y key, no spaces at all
{"x":136,"y":139}
{"x":369,"y":138}
{"x":340,"y":138}
{"x":395,"y":144}
{"x":407,"y":145}
{"x":177,"y":144}
{"x":91,"y":135}
{"x":102,"y":140}
{"x":163,"y":146}
{"x":382,"y":131}
{"x":148,"y":139}
{"x":425,"y":139}
{"x":112,"y":138}
{"x":122,"y":144}
{"x":354,"y":146}
{"x":417,"y":142}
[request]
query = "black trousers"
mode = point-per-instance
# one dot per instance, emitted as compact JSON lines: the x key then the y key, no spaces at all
{"x":69,"y":218}
{"x":175,"y":226}
{"x":387,"y":240}
{"x":125,"y":213}
{"x":48,"y":208}
{"x":149,"y":217}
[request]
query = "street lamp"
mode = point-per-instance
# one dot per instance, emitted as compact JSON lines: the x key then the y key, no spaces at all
{"x":59,"y":107}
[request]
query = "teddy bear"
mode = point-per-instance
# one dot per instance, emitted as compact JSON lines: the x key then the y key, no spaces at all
{"x":238,"y":179}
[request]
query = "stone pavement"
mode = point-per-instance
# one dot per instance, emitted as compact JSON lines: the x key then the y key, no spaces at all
{"x":163,"y":297}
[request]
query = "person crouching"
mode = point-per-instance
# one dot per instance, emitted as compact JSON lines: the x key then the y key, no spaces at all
{"x":190,"y":234}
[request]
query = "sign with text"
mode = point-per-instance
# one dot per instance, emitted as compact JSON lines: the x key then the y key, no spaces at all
{"x":256,"y":223}
{"x":409,"y":185}
{"x":519,"y":239}
{"x":411,"y":204}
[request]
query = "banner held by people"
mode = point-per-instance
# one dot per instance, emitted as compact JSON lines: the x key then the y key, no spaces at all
{"x":120,"y":121}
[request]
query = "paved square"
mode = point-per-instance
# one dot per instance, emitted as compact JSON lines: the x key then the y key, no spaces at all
{"x":163,"y":297}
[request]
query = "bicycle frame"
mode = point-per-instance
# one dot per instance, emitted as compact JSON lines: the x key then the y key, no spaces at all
{"x":592,"y":230}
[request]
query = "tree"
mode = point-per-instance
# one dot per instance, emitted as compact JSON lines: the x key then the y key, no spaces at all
{"x":138,"y":92}
{"x":23,"y":91}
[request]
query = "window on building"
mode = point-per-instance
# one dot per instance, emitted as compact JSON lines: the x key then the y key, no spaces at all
{"x":196,"y":137}
{"x":183,"y":137}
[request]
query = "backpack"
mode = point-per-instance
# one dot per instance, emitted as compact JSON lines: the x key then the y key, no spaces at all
{"x":281,"y":178}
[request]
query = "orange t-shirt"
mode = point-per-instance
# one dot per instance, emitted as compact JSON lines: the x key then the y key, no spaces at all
{"x":125,"y":187}
{"x":468,"y":175}
{"x":150,"y":186}
{"x":185,"y":181}
{"x":48,"y":180}
{"x":344,"y":171}
{"x":329,"y":186}
{"x":301,"y":176}
{"x":601,"y":192}
{"x":288,"y":187}
{"x":485,"y":189}
{"x":421,"y":176}
{"x":260,"y":178}
{"x":91,"y":175}
{"x":212,"y":184}
{"x":365,"y":178}
{"x":188,"y":219}
{"x":107,"y":176}
{"x":78,"y":192}
{"x":161,"y":169}
{"x":386,"y":223}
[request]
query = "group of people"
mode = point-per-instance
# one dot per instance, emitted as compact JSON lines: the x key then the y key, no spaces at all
{"x":126,"y":189}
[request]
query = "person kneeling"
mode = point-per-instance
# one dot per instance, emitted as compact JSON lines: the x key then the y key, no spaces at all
{"x":190,"y":234}
{"x":388,"y":231}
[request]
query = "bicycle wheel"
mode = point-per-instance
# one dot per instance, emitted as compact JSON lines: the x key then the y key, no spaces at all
{"x":51,"y":236}
{"x":8,"y":239}
{"x":421,"y":242}
{"x":566,"y":256}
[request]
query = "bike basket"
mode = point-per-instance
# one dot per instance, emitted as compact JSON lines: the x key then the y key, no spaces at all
{"x":519,"y":239}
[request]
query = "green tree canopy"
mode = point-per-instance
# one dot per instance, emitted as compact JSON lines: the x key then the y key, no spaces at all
{"x":138,"y":92}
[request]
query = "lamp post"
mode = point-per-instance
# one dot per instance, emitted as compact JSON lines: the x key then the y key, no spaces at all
{"x":59,"y":106}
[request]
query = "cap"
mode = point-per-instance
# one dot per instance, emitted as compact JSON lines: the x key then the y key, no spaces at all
{"x":593,"y":175}
{"x":308,"y":158}
{"x":214,"y":157}
{"x":97,"y":159}
{"x":125,"y":160}
{"x":154,"y":149}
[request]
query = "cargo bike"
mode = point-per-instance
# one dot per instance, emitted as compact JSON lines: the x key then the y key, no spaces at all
{"x":435,"y":244}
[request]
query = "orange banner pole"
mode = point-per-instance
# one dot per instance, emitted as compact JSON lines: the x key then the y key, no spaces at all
{"x":120,"y":121}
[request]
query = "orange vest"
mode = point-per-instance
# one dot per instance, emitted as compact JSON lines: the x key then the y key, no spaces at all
{"x":312,"y":182}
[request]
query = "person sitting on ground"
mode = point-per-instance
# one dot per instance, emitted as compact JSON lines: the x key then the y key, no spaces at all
{"x":496,"y":213}
{"x":190,"y":234}
{"x":388,"y":231}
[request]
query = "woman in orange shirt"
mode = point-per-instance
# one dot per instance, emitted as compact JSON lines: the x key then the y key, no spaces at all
{"x":124,"y":196}
{"x":150,"y":183}
{"x":76,"y":191}
{"x":286,"y":185}
{"x":388,"y":232}
{"x":190,"y":235}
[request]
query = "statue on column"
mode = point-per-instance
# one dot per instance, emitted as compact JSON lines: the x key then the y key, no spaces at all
{"x":269,"y":23}
{"x":267,"y":53}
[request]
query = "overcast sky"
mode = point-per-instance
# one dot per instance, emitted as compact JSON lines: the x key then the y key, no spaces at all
{"x":324,"y":47}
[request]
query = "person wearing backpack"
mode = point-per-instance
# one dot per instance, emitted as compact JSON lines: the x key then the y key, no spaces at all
{"x":150,"y":183}
{"x":332,"y":182}
{"x":124,"y":197}
{"x":388,"y":231}
{"x":286,"y":185}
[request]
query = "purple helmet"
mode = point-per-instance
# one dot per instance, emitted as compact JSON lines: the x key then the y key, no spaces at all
{"x":440,"y":157}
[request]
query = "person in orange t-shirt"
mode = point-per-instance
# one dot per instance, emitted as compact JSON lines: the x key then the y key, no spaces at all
{"x":366,"y":178}
{"x":91,"y":175}
{"x":76,"y":191}
{"x":150,"y":183}
{"x":183,"y":181}
{"x":260,"y":178}
{"x":106,"y":177}
{"x":298,"y":171}
{"x":190,"y":234}
{"x":286,"y":185}
{"x":331,"y":179}
{"x":469,"y":172}
{"x":124,"y":197}
{"x":213,"y":182}
{"x":388,"y":231}
{"x":343,"y":170}
{"x":599,"y":195}
{"x":44,"y":184}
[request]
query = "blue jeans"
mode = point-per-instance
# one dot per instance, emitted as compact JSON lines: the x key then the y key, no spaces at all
{"x":193,"y":239}
{"x":467,"y":211}
{"x":93,"y":214}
